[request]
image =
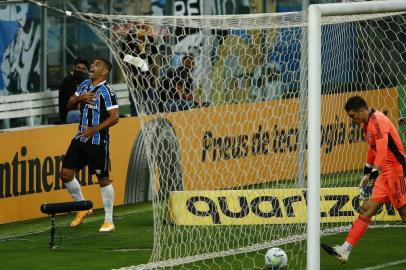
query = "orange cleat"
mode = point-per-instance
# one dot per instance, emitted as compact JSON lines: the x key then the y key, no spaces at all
{"x":107,"y":227}
{"x":80,"y":215}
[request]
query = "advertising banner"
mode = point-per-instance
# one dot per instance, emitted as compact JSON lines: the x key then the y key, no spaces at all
{"x":30,"y":162}
{"x":242,"y":144}
{"x":266,"y":206}
{"x":19,"y":49}
{"x":216,"y":148}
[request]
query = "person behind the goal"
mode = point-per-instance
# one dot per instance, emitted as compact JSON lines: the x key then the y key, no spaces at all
{"x":384,"y":178}
{"x":90,"y":146}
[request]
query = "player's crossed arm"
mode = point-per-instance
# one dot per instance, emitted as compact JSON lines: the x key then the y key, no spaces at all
{"x":113,"y":119}
{"x":88,"y":97}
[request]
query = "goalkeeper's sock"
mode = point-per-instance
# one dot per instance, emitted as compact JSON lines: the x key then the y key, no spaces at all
{"x":74,"y":189}
{"x":107,"y":193}
{"x":357,"y":230}
{"x":347,"y":246}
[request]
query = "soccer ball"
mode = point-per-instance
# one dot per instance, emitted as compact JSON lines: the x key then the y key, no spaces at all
{"x":276,"y":258}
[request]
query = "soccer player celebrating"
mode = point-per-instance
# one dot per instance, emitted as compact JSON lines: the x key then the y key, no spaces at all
{"x":90,"y":146}
{"x":384,"y":172}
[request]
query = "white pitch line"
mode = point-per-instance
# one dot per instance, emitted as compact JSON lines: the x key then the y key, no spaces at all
{"x":380,"y":266}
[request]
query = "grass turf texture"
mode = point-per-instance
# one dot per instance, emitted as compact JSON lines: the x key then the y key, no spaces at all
{"x":82,"y":247}
{"x":24,"y":245}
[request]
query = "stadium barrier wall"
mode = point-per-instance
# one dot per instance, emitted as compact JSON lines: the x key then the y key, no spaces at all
{"x":30,"y":160}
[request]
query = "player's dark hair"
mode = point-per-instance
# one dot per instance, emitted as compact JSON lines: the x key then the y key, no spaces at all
{"x":106,"y":63}
{"x":81,"y":61}
{"x":355,"y":103}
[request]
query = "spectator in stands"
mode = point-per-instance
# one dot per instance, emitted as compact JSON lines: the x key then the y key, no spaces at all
{"x":140,"y":44}
{"x":179,"y":85}
{"x":68,"y":87}
{"x":268,"y":83}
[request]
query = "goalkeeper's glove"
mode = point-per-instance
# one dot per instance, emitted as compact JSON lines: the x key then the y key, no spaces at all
{"x":365,"y":178}
{"x":367,"y":183}
{"x":367,"y":169}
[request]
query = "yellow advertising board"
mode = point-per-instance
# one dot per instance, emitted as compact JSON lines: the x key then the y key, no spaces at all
{"x":266,"y":206}
{"x":30,"y":161}
{"x":219,"y":147}
{"x":242,"y":144}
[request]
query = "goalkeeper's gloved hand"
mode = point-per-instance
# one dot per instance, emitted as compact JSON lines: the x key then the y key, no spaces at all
{"x":367,"y":183}
{"x":365,"y":178}
{"x":367,"y":169}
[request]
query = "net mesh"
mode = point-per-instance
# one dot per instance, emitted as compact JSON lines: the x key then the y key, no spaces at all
{"x":223,"y":105}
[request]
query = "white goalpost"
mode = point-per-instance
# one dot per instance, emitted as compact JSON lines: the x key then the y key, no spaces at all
{"x":316,"y":12}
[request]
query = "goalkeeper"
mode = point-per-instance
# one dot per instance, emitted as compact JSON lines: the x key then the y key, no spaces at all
{"x":384,"y":178}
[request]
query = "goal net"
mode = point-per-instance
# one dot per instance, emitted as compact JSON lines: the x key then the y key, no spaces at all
{"x":222,"y":100}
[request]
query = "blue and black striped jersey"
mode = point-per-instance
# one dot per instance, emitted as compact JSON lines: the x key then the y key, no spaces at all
{"x":93,"y":115}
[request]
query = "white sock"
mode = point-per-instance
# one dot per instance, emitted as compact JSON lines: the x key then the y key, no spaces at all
{"x":347,"y":246}
{"x":107,"y":193}
{"x":74,"y":189}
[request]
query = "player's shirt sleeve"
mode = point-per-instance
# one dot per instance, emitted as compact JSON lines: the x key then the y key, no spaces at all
{"x":82,"y":87}
{"x":110,"y":98}
{"x":370,"y":156}
{"x":380,"y":129}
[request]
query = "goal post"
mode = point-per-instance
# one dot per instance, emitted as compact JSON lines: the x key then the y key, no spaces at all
{"x":314,"y":112}
{"x":315,"y":13}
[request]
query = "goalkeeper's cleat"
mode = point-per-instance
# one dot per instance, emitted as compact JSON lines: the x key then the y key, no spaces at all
{"x":340,"y":253}
{"x":107,"y":227}
{"x":80,"y":215}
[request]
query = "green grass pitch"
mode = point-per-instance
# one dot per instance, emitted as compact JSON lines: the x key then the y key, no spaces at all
{"x":24,"y":245}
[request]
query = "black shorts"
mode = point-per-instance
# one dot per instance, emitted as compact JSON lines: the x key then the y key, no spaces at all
{"x":80,"y":154}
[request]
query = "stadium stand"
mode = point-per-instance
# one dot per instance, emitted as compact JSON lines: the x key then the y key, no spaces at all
{"x":44,"y":104}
